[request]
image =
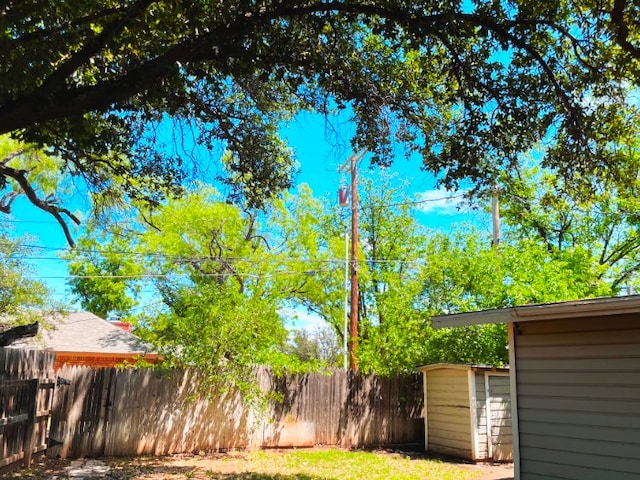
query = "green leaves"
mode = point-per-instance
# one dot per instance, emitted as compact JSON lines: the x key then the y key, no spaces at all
{"x":467,"y":86}
{"x":23,"y":299}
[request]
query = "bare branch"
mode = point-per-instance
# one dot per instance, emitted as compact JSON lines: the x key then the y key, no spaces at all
{"x":47,"y":206}
{"x":13,"y":155}
{"x":6,"y":201}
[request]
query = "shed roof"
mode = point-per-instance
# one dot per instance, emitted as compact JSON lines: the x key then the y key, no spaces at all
{"x":86,"y":332}
{"x":547,"y":311}
{"x":476,"y":367}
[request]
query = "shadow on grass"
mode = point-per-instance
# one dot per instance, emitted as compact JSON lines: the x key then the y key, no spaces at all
{"x":263,"y":476}
{"x":191,"y":473}
{"x":122,"y":469}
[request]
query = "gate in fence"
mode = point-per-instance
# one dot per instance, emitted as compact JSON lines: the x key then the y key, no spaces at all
{"x":27,"y":382}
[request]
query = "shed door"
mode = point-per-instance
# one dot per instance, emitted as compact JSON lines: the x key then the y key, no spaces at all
{"x":499,"y":416}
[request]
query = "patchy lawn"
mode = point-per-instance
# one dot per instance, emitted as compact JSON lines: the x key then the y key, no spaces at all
{"x":312,"y":464}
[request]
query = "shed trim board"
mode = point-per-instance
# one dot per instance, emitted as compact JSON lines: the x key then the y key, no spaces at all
{"x":473,"y":416}
{"x":513,"y":380}
{"x":426,"y":413}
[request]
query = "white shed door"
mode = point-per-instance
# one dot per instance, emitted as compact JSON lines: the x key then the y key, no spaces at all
{"x":499,"y":417}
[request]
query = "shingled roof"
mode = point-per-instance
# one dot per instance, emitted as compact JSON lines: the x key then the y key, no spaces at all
{"x":86,"y":332}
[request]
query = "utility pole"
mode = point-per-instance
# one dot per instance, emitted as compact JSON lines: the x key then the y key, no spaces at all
{"x":495,"y":216}
{"x":352,"y":164}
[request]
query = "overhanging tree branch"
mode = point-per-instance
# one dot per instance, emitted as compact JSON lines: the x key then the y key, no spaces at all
{"x":14,"y":334}
{"x":47,"y":205}
{"x":218,"y":46}
{"x":621,"y":29}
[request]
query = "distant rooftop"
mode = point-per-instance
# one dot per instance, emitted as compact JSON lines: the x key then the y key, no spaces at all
{"x":84,"y":332}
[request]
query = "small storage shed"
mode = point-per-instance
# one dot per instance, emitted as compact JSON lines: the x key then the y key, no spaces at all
{"x":575,"y":383}
{"x":467,"y":411}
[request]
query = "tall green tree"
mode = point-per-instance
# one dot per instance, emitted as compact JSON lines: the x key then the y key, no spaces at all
{"x":468,"y":85}
{"x":561,"y":216}
{"x":463,"y":272}
{"x":223,"y":276}
{"x":209,"y":282}
{"x":106,"y":273}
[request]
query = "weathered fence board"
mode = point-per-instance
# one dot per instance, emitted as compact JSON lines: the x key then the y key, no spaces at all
{"x":26,"y":392}
{"x":134,"y":412}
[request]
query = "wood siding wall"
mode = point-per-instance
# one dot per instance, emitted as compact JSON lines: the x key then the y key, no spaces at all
{"x":27,"y":382}
{"x":448,"y":415}
{"x":134,"y":412}
{"x":498,"y":412}
{"x":578,"y":387}
{"x":481,"y":417}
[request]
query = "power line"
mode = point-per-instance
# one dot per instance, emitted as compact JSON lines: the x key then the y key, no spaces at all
{"x":46,"y":222}
{"x":185,"y":259}
{"x":415,"y":202}
{"x":167,"y":275}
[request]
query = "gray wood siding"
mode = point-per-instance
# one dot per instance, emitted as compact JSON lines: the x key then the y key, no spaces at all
{"x":448,"y":416}
{"x":481,"y":416}
{"x":501,"y":428}
{"x":578,"y":387}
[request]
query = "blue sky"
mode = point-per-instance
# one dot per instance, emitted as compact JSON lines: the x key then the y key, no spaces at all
{"x":320,"y":151}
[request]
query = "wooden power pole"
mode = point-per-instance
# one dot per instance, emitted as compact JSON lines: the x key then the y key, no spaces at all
{"x":352,"y":163}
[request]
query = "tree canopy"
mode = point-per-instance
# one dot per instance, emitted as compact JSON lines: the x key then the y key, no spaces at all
{"x":467,"y":85}
{"x":213,"y":281}
{"x":22,"y":298}
{"x":209,"y":278}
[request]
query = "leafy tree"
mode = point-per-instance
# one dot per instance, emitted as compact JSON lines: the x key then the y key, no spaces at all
{"x":305,"y":346}
{"x":216,"y":280}
{"x":311,"y":240}
{"x":222,"y":275}
{"x":25,"y":170}
{"x":538,"y":205}
{"x":22,"y":299}
{"x":105,"y":274}
{"x":316,"y":347}
{"x":466,"y":85}
{"x":392,"y":320}
{"x":465,"y":273}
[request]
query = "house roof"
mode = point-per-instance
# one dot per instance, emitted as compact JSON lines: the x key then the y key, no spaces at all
{"x":547,"y":311}
{"x":86,"y":332}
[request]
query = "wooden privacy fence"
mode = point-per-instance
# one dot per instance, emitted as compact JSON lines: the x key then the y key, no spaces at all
{"x":109,"y":412}
{"x":27,"y":382}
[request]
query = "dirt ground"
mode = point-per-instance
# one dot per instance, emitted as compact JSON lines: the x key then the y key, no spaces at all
{"x":500,"y":471}
{"x":227,"y":466}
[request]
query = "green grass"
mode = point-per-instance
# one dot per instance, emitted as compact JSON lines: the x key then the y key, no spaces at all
{"x":331,"y":464}
{"x":301,"y":464}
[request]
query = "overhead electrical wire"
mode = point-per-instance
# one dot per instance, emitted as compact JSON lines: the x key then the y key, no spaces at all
{"x":186,"y":259}
{"x":166,"y":275}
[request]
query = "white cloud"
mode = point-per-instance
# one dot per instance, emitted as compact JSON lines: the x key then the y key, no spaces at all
{"x":300,"y":319}
{"x":441,"y":202}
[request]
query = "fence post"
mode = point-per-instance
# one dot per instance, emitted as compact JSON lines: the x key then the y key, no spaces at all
{"x":30,"y":433}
